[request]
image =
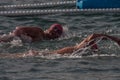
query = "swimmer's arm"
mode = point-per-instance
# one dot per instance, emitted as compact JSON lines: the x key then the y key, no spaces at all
{"x":117,"y":40}
{"x":66,"y":50}
{"x":80,"y":45}
{"x":90,"y":40}
{"x":93,"y":36}
{"x":84,"y":42}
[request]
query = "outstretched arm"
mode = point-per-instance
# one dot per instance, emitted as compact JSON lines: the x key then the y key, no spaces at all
{"x":89,"y":41}
{"x":69,"y":50}
{"x":117,"y":40}
{"x":66,"y":50}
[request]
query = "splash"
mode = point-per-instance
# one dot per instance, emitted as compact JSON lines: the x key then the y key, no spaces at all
{"x":66,"y":33}
{"x":16,"y":42}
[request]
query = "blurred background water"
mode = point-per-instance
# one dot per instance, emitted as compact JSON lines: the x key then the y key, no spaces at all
{"x":77,"y":26}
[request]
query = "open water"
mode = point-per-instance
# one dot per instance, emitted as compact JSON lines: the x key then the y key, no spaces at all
{"x":103,"y":65}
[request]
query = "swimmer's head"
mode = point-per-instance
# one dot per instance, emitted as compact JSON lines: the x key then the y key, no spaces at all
{"x":55,"y":30}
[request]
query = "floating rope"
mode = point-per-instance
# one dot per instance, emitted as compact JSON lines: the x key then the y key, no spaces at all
{"x":37,"y":5}
{"x":53,"y":11}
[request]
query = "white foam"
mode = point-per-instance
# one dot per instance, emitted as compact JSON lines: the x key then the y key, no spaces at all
{"x":16,"y":42}
{"x":66,"y":33}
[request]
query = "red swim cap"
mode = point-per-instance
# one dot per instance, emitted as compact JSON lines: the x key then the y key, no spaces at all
{"x":57,"y":27}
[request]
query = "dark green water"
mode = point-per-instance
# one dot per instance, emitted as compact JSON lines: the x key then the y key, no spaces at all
{"x":77,"y":28}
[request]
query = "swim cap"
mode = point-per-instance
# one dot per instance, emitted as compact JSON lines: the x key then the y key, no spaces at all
{"x":57,"y":28}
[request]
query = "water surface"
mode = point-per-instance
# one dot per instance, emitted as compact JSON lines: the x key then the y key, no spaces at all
{"x":77,"y":28}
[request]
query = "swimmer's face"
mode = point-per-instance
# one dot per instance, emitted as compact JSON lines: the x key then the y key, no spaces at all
{"x":55,"y":30}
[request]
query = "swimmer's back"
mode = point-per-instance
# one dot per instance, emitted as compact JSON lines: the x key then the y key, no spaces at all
{"x":35,"y":33}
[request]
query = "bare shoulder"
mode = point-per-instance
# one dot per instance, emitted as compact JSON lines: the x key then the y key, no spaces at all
{"x":28,"y":27}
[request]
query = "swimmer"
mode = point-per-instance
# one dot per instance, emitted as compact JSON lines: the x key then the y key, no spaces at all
{"x":89,"y":41}
{"x":32,"y":34}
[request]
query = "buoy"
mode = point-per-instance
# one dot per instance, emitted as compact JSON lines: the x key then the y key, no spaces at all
{"x":97,"y":4}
